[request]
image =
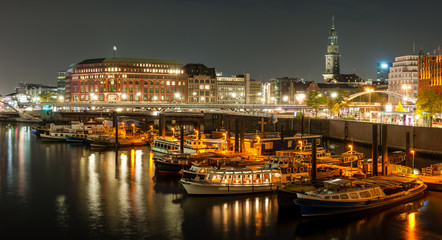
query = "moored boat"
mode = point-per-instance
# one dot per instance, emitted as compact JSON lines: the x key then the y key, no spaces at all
{"x":234,"y":181}
{"x":341,"y":196}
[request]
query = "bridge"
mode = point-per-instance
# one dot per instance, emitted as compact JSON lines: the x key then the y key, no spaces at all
{"x":395,"y":94}
{"x":170,"y":106}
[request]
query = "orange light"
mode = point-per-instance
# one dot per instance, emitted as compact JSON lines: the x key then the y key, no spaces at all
{"x":351,"y":147}
{"x":412,"y":151}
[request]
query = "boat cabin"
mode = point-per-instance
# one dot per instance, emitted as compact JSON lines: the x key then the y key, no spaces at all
{"x":243,"y":176}
{"x":346,"y":190}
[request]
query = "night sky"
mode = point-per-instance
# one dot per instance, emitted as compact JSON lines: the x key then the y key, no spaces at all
{"x":266,"y":38}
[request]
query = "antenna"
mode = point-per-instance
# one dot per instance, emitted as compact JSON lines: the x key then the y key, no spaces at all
{"x":414,"y":47}
{"x":115,"y":50}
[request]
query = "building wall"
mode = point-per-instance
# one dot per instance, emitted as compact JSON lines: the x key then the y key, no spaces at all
{"x":231,"y":90}
{"x":403,"y":77}
{"x":430,"y":74}
{"x":127,"y":80}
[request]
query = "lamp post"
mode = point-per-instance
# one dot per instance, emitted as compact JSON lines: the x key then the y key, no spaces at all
{"x":300,"y":143}
{"x":173,"y":132}
{"x":406,"y":87}
{"x":412,"y":162}
{"x":177,"y":96}
{"x":351,"y":160}
{"x":369,"y":90}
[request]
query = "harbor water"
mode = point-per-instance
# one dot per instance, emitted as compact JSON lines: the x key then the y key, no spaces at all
{"x":70,"y":191}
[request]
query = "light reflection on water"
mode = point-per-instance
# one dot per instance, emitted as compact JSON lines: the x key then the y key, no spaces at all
{"x":70,"y":191}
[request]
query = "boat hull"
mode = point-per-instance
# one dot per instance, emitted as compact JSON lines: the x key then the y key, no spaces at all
{"x":314,"y":207}
{"x":205,"y":188}
{"x":163,"y":166}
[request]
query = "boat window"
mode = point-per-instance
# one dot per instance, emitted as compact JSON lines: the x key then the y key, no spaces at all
{"x":377,"y":192}
{"x":275,"y":177}
{"x":365,"y":194}
{"x":354,"y":196}
{"x":266,"y":178}
{"x":227,"y":178}
{"x":344,"y":196}
{"x":257,"y":178}
{"x":335,"y":197}
{"x":237,"y":178}
{"x":327,"y":197}
{"x":216,"y":178}
{"x":247,"y":178}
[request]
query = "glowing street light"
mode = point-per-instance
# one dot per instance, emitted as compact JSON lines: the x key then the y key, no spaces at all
{"x":406,"y":87}
{"x":369,"y":90}
{"x":300,"y":143}
{"x":300,"y":98}
{"x":412,"y":162}
{"x":334,"y":95}
{"x":285,"y":98}
{"x":351,"y":147}
{"x":173,"y":131}
{"x":196,"y":131}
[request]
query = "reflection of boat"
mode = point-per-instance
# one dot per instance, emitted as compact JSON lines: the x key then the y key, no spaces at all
{"x":175,"y":162}
{"x":340,"y":196}
{"x":233,"y":181}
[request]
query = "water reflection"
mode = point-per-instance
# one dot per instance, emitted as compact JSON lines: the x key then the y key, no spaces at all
{"x":72,"y":191}
{"x":229,"y":216}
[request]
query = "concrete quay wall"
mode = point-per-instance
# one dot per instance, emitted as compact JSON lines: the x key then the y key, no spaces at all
{"x":422,"y":139}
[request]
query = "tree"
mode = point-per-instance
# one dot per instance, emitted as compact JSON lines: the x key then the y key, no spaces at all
{"x":315,"y":99}
{"x":429,"y":103}
{"x":336,"y":108}
{"x":336,"y":99}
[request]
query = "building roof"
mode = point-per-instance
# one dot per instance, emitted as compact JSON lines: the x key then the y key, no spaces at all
{"x":199,"y":69}
{"x":128,"y":60}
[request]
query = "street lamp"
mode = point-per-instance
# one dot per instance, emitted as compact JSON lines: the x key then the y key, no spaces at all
{"x":334,"y":95}
{"x":196,"y":131}
{"x":300,"y":98}
{"x":177,"y":96}
{"x":173,"y":132}
{"x":412,"y":162}
{"x":406,"y":87}
{"x":300,"y":143}
{"x":369,"y":90}
{"x":351,"y":159}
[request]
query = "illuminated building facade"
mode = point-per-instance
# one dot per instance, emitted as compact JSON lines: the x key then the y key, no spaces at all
{"x":232,"y":90}
{"x":254,"y":94}
{"x":402,"y":78}
{"x":201,"y":83}
{"x":117,"y":80}
{"x":430,"y":73}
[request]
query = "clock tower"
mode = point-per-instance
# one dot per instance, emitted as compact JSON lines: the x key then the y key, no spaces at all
{"x":332,"y":57}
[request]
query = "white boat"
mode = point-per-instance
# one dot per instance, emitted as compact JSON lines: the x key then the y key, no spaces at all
{"x":170,"y":145}
{"x":233,"y":181}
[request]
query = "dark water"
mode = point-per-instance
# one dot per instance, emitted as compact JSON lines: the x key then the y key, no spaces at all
{"x":67,"y":191}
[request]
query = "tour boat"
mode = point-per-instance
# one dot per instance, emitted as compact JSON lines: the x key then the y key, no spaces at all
{"x":169,"y":145}
{"x":234,"y":181}
{"x":342,"y":196}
